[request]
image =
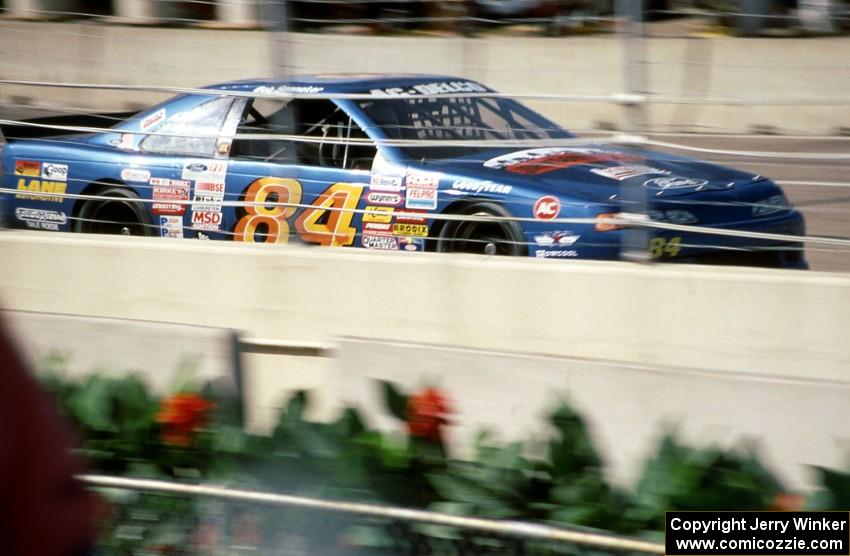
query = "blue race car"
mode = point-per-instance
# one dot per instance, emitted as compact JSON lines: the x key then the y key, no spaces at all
{"x":390,"y":162}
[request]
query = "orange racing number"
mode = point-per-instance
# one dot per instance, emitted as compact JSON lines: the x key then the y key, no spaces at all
{"x":327,"y":221}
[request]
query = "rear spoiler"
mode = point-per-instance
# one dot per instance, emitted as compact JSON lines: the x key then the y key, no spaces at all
{"x":44,"y":126}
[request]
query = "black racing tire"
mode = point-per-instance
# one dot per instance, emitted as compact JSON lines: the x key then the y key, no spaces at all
{"x":122,"y":214}
{"x":503,"y":237}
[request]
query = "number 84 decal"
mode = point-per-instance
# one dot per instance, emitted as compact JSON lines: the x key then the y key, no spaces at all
{"x":272,"y":202}
{"x":662,"y":246}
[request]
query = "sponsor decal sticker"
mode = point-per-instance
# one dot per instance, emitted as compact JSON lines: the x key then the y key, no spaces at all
{"x":551,"y":253}
{"x":206,"y":220}
{"x":410,"y":229}
{"x":385,"y":183}
{"x":383,"y":198}
{"x":28,"y":168}
{"x":378,"y":214}
{"x":135,"y":174}
{"x":165,"y":190}
{"x":126,"y":142}
{"x":55,"y":172}
{"x":33,"y":187}
{"x":674,"y":182}
{"x":546,"y":208}
{"x":425,"y":181}
{"x":436,"y":88}
{"x":153,"y":121}
{"x":474,"y":186}
{"x":209,"y":197}
{"x":288,"y":89}
{"x":410,"y":218}
{"x":171,"y":226}
{"x":418,"y":198}
{"x":378,"y":228}
{"x":41,"y":219}
{"x":205,"y":170}
{"x":621,"y":173}
{"x":412,"y":243}
{"x":556,"y":238}
{"x":540,"y":161}
{"x":379,"y":242}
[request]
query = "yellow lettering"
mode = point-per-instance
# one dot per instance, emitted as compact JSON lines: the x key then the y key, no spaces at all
{"x":37,"y":186}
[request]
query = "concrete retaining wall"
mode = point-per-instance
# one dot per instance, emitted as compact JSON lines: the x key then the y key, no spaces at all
{"x":745,"y":351}
{"x":764,"y":322}
{"x":727,"y":68}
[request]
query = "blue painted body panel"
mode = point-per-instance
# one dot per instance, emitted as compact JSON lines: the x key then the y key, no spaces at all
{"x":579,"y":180}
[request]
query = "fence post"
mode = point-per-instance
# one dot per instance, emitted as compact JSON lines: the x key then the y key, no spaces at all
{"x":629,"y":14}
{"x":275,"y":16}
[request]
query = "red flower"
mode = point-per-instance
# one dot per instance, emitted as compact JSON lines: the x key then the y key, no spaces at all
{"x":181,"y":415}
{"x":787,"y":502}
{"x":426,"y":413}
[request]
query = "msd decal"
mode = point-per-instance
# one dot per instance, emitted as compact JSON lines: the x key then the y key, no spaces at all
{"x":206,"y":220}
{"x":546,"y":208}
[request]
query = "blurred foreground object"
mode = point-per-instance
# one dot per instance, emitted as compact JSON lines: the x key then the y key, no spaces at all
{"x":44,"y":511}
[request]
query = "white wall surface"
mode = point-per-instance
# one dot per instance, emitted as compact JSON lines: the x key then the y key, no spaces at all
{"x":791,"y":424}
{"x":764,"y":322}
{"x":726,"y":352}
{"x":695,"y":67}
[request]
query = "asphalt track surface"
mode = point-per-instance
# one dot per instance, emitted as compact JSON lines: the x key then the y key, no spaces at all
{"x":826,"y":206}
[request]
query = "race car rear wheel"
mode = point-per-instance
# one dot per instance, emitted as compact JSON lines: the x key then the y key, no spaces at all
{"x":121,"y":214}
{"x":483,"y":237}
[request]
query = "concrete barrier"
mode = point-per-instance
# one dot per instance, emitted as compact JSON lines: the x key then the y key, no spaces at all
{"x":764,"y":322}
{"x":760,"y":350}
{"x":740,"y":79}
{"x":791,"y":424}
{"x":167,"y":356}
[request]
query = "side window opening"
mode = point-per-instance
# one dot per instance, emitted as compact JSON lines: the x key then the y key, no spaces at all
{"x":192,"y":132}
{"x":326,"y":126}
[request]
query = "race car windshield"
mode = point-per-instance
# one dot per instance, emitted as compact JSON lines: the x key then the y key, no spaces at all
{"x":435,"y":119}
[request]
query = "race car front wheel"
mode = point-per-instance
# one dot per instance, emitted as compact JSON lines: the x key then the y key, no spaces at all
{"x":116,"y":211}
{"x":487,"y":234}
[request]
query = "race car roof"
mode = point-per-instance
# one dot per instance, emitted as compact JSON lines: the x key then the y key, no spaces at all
{"x":337,"y":82}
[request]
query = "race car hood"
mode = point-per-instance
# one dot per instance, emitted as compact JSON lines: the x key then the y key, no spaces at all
{"x":596,"y":172}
